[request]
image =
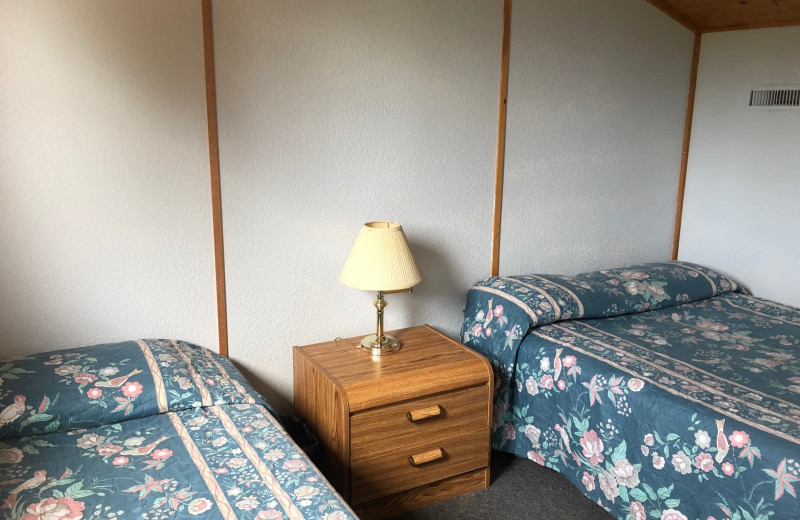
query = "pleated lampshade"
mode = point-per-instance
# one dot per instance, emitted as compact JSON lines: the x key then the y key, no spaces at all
{"x":380,"y":260}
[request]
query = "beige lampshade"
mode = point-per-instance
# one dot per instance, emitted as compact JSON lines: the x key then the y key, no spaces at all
{"x":380,"y":260}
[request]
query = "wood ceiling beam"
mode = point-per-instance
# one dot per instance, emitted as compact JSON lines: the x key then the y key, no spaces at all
{"x":754,"y":25}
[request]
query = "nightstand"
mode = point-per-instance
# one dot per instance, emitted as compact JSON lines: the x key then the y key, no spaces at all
{"x":401,"y":431}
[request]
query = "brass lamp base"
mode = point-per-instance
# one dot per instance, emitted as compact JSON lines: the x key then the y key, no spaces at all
{"x":373,"y":346}
{"x":380,"y":343}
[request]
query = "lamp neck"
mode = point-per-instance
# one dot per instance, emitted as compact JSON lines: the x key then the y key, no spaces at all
{"x":380,"y":304}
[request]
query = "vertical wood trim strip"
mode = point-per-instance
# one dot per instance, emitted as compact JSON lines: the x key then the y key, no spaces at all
{"x":216,"y":194}
{"x":501,"y":139}
{"x":687,"y":135}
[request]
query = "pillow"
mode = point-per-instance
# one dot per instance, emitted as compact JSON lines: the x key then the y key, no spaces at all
{"x":501,"y":310}
{"x":610,"y":292}
{"x":102,"y":384}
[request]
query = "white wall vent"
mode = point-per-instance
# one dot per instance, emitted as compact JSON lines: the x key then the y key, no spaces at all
{"x":779,"y":97}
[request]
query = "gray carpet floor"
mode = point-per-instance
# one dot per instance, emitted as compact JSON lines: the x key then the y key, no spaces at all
{"x":520,"y":489}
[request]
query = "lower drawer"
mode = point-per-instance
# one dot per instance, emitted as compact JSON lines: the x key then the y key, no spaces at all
{"x":409,"y":467}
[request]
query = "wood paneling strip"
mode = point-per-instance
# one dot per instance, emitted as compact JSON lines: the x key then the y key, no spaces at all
{"x":501,"y":139}
{"x":687,"y":134}
{"x":213,"y":155}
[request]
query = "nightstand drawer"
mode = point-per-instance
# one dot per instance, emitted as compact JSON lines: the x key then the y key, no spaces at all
{"x":408,"y":467}
{"x":418,"y":421}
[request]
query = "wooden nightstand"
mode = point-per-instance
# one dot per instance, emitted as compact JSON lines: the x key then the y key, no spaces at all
{"x":402,"y":431}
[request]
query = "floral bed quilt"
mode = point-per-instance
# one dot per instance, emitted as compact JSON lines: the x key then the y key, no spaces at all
{"x":151,"y":429}
{"x":662,"y":391}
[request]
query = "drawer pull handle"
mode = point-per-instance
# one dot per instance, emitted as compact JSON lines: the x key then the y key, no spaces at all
{"x":424,"y":413}
{"x":426,"y":457}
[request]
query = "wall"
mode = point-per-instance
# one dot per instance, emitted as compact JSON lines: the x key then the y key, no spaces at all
{"x":333,"y":114}
{"x":330,"y":114}
{"x":105,"y":214}
{"x":596,"y":105}
{"x":740,"y":210}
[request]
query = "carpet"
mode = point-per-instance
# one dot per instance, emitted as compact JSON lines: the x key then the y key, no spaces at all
{"x":520,"y":489}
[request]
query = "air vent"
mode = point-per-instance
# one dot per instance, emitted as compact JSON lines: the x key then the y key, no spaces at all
{"x":775,"y":97}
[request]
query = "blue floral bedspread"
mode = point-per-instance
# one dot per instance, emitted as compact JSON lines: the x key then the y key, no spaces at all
{"x":153,"y":429}
{"x":662,"y":391}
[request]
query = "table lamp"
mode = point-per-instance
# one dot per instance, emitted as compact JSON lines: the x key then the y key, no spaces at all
{"x":381,"y":261}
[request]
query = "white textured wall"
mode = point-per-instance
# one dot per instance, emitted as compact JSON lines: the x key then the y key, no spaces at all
{"x":333,"y":114}
{"x":105,"y":214}
{"x":741,"y":210}
{"x":596,"y":105}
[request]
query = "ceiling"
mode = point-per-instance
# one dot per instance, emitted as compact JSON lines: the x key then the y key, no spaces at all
{"x":730,"y":15}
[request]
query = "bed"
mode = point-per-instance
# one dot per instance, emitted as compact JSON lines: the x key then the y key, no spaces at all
{"x":662,"y":391}
{"x":154,"y":429}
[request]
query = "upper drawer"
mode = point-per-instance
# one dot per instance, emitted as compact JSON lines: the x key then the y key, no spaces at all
{"x":420,"y":420}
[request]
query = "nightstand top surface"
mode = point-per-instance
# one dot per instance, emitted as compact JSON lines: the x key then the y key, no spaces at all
{"x":428,"y":362}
